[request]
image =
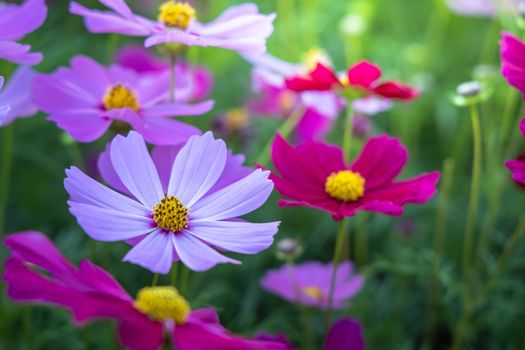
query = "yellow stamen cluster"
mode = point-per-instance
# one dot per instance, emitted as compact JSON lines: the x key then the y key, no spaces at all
{"x":314,"y":56}
{"x":345,"y":186}
{"x":171,"y":214}
{"x":120,"y":96}
{"x":313,"y":292}
{"x":236,"y":119}
{"x":176,"y":14}
{"x":163,"y":303}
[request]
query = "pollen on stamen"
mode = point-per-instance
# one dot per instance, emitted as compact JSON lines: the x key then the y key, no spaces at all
{"x":163,"y":303}
{"x":176,"y":14}
{"x":170,"y":214}
{"x":313,"y":292}
{"x":120,"y":96}
{"x":345,"y":185}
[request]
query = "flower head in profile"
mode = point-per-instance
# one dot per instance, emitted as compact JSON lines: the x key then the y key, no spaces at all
{"x":16,"y":95}
{"x":359,"y":81}
{"x":16,"y":21}
{"x":188,"y":218}
{"x":512,"y":61}
{"x":517,"y":167}
{"x":87,"y":98}
{"x":193,"y":82}
{"x":309,"y":283}
{"x":241,"y":28}
{"x":315,"y":175}
{"x":37,"y":272}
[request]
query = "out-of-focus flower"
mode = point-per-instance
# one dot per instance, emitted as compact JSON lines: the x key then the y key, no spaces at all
{"x":241,"y":28}
{"x":315,"y":175}
{"x":16,"y":21}
{"x":87,"y":98}
{"x":37,"y":272}
{"x":17,"y":95}
{"x":193,"y":83}
{"x":4,"y":108}
{"x":470,"y":93}
{"x":289,"y":249}
{"x":513,"y":61}
{"x":309,"y":283}
{"x":361,"y":126}
{"x":184,"y":221}
{"x":359,"y":81}
{"x":517,"y":167}
{"x":486,"y":8}
{"x":233,"y":123}
{"x":345,"y":334}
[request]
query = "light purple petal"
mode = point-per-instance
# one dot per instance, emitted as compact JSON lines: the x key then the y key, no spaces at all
{"x":18,"y":53}
{"x":17,"y":21}
{"x":17,"y":94}
{"x":82,"y":125}
{"x":107,"y":172}
{"x":178,"y":109}
{"x":155,"y":252}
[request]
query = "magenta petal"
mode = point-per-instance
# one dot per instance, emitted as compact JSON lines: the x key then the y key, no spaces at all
{"x":517,"y":167}
{"x":140,"y":335}
{"x":363,"y":74}
{"x":345,"y":334}
{"x":513,"y":62}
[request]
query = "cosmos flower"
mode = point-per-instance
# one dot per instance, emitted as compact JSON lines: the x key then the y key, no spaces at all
{"x":517,"y":167}
{"x":485,"y":8}
{"x":37,"y":272}
{"x":241,"y":28}
{"x":16,"y":21}
{"x":309,"y":283}
{"x":360,"y":80}
{"x":185,"y":221}
{"x":17,"y":95}
{"x":87,"y":98}
{"x":315,"y":175}
{"x":193,"y":83}
{"x":513,"y":61}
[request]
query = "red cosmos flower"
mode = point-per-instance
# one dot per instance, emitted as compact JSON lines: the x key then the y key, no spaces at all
{"x":363,"y":77}
{"x":315,"y":175}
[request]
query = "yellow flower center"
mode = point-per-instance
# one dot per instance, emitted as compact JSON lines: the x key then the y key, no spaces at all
{"x":236,"y":119}
{"x":314,"y":56}
{"x":313,"y":292}
{"x":120,"y":96}
{"x":170,"y":214}
{"x":287,"y":100}
{"x":176,"y":14}
{"x":345,"y":186}
{"x":163,"y":303}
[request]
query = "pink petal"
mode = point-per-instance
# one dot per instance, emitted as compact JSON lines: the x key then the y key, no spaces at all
{"x":363,"y":74}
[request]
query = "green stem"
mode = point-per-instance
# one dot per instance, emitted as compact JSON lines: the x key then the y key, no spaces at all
{"x":284,"y":130}
{"x":462,"y":328}
{"x":348,"y":129}
{"x":155,"y":280}
{"x":7,"y":162}
{"x":338,"y":250}
{"x":173,"y":274}
{"x":361,"y":240}
{"x":184,"y":277}
{"x":474,"y":188}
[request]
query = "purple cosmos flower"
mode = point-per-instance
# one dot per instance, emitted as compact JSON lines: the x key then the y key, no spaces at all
{"x":184,"y":220}
{"x":37,"y":272}
{"x":85,"y":99}
{"x":17,"y":95}
{"x":241,"y":28}
{"x":486,"y":8}
{"x":16,"y":21}
{"x":345,"y":334}
{"x":193,"y":83}
{"x":309,"y":283}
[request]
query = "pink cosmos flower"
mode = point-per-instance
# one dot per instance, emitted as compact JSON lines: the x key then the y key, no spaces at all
{"x":17,"y":95}
{"x":309,"y":283}
{"x":193,"y":83}
{"x":183,"y":220}
{"x":241,"y":28}
{"x":87,"y":98}
{"x":487,"y":8}
{"x":361,"y":78}
{"x":315,"y":175}
{"x":517,"y":167}
{"x":16,"y":21}
{"x":37,"y":272}
{"x":513,"y":61}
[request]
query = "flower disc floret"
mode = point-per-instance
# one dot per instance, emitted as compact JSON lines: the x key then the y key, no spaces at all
{"x":120,"y":96}
{"x":345,"y":186}
{"x":163,"y":303}
{"x":176,"y":14}
{"x":171,"y":214}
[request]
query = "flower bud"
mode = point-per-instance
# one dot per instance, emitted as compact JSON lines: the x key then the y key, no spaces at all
{"x":288,"y":249}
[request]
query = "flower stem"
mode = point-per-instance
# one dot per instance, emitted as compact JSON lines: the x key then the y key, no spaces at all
{"x":173,"y":63}
{"x":338,"y":250}
{"x":361,"y":240}
{"x":155,"y":280}
{"x":284,"y":130}
{"x":7,"y":162}
{"x":173,"y":275}
{"x":348,"y":129}
{"x":474,"y":188}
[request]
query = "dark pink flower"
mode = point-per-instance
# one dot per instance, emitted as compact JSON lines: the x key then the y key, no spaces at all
{"x":517,"y":167}
{"x":345,"y":334}
{"x":36,"y":272}
{"x":513,"y":61}
{"x":362,"y":77}
{"x":315,"y":175}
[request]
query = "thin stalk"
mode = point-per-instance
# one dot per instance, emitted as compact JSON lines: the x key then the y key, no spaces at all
{"x":361,"y":240}
{"x":338,"y":250}
{"x":474,"y":188}
{"x":173,"y":274}
{"x":155,"y":280}
{"x":348,"y":129}
{"x":7,"y":162}
{"x":284,"y":130}
{"x":462,"y":328}
{"x":173,"y":63}
{"x":184,"y":276}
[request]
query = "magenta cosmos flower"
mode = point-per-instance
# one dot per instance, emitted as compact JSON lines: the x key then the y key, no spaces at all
{"x":315,"y":175}
{"x":517,"y":167}
{"x":16,"y":21}
{"x":17,"y":96}
{"x":37,"y":272}
{"x":513,"y":61}
{"x":193,"y":83}
{"x":309,"y":283}
{"x":182,"y":220}
{"x":240,"y":28}
{"x":87,"y":98}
